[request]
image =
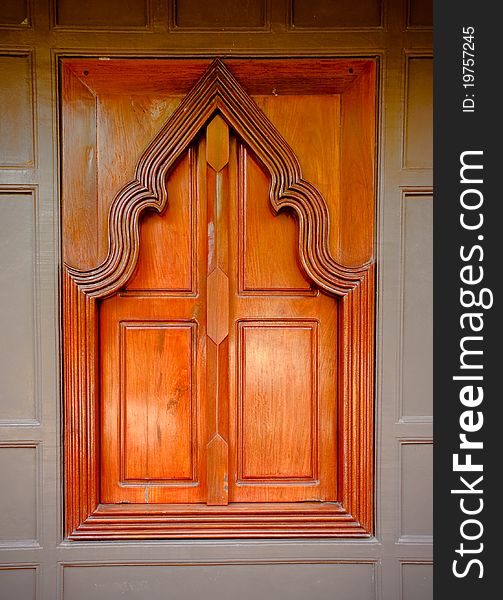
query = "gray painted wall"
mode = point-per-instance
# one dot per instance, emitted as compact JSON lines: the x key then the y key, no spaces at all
{"x":35,"y":562}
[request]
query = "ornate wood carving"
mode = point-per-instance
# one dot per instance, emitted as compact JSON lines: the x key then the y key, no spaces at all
{"x":217,"y":92}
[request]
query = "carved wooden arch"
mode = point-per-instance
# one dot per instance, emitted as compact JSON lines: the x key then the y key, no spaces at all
{"x":85,"y":518}
{"x":218,"y":90}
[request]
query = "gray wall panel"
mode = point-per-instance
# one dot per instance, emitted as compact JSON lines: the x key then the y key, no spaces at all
{"x":418,"y":134}
{"x":417,"y":310}
{"x":18,"y":583}
{"x":416,"y":581}
{"x":18,"y":497}
{"x":227,"y":582}
{"x":17,"y":352}
{"x":16,"y":116}
{"x":416,"y":489}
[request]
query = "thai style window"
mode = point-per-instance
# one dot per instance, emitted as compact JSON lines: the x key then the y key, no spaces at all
{"x":218,"y":297}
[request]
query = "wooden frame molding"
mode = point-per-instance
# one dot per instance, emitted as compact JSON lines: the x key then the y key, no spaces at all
{"x":217,"y":91}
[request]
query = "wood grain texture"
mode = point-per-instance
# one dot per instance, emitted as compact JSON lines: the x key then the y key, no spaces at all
{"x":278,"y":400}
{"x":152,"y":380}
{"x":156,"y":411}
{"x":218,"y":90}
{"x":176,"y":76}
{"x":340,"y":419}
{"x":217,"y":307}
{"x":321,"y":115}
{"x":217,"y":143}
{"x":258,"y":231}
{"x":358,"y":140}
{"x":167,"y":261}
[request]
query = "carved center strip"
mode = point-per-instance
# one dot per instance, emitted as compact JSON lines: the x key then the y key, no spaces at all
{"x":217,"y":450}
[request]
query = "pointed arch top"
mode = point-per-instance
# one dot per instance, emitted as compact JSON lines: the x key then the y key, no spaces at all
{"x":218,"y":91}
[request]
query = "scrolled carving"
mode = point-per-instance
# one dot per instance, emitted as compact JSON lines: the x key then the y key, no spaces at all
{"x":218,"y":91}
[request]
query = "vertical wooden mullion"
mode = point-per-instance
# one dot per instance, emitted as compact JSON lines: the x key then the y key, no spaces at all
{"x":217,"y":449}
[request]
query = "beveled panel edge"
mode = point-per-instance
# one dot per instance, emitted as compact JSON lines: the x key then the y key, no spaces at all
{"x":400,"y":418}
{"x":36,"y":421}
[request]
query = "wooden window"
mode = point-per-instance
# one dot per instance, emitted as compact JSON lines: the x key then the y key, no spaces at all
{"x":218,"y":297}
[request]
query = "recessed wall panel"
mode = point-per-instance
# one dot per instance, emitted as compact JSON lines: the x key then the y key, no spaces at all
{"x":417,"y":310}
{"x":14,"y":12}
{"x":18,"y":583}
{"x":16,"y":116}
{"x":416,"y":489}
{"x":343,"y":581}
{"x":336,"y":13}
{"x":418,"y":130}
{"x":223,"y":14}
{"x":420,"y":13}
{"x":17,"y":354}
{"x":96,"y":13}
{"x":18,"y":500}
{"x":416,"y":581}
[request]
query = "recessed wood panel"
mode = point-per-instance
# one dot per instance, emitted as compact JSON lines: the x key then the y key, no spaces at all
{"x":350,"y":580}
{"x":418,"y":129}
{"x":420,"y":13}
{"x":79,"y":162}
{"x":318,"y":152}
{"x":96,"y":13}
{"x":416,"y":581}
{"x":17,"y":264}
{"x":141,"y":116}
{"x":259,"y":231}
{"x":358,"y":142}
{"x":18,"y":500}
{"x":16,"y":116}
{"x":417,"y":313}
{"x":336,"y":13}
{"x":278,"y":400}
{"x":167,"y":260}
{"x":18,"y":582}
{"x":156,"y":413}
{"x":14,"y":12}
{"x":416,"y":489}
{"x":226,"y":14}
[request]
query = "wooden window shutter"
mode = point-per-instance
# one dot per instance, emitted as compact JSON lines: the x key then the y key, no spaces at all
{"x":218,"y":357}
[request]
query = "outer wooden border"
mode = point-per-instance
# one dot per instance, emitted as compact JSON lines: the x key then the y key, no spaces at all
{"x":218,"y":91}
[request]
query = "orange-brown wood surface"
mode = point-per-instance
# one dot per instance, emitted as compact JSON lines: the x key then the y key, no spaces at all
{"x":227,"y":375}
